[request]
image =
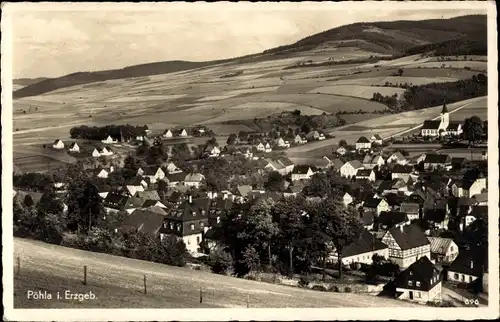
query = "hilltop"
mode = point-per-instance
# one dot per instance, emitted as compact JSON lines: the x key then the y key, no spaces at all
{"x":381,"y":38}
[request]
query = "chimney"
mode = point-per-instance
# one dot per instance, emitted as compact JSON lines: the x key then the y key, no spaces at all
{"x":190,"y":199}
{"x":471,"y":264}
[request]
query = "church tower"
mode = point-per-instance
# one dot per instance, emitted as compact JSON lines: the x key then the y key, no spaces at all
{"x":445,"y":118}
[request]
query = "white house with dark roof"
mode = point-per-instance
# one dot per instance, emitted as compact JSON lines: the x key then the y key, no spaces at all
{"x":377,"y":139}
{"x":153,"y":173}
{"x":299,"y":139}
{"x":183,"y":133}
{"x":341,"y":150}
{"x":407,"y":244}
{"x":470,"y":185}
{"x":434,"y":128}
{"x":106,"y":151}
{"x":58,"y":144}
{"x":361,"y":250}
{"x":468,"y":266}
{"x":411,"y":209}
{"x":437,"y":161}
{"x":372,"y":161}
{"x":376,"y":205}
{"x":172,"y":168}
{"x":109,"y":140}
{"x":278,"y":166}
{"x":302,"y":172}
{"x":282,"y":143}
{"x":194,"y":180}
{"x":350,"y":168}
{"x":419,"y":282}
{"x":347,"y":199}
{"x":365,"y":174}
{"x":74,"y":147}
{"x":168,"y":134}
{"x":363,"y":144}
{"x":96,"y":153}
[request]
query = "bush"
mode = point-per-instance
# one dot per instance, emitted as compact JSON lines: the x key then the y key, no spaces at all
{"x":220,"y":261}
{"x":320,"y":288}
{"x":303,"y":282}
{"x":347,"y":289}
{"x":334,"y":288}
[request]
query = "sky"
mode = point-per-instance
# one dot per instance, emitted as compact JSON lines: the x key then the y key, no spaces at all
{"x":57,"y":41}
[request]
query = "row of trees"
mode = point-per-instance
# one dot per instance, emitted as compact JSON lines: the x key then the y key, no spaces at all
{"x":288,"y":236}
{"x":117,"y":132}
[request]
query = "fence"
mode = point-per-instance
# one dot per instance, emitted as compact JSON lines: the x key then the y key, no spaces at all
{"x":86,"y":280}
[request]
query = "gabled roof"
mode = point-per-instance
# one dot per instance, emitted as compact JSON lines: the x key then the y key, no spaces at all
{"x":364,"y":244}
{"x":135,"y":181}
{"x":150,"y":170}
{"x":372,"y":202}
{"x":440,"y":245}
{"x":72,"y":145}
{"x":356,"y":164}
{"x":480,"y":212}
{"x":176,"y":177}
{"x":364,"y":172}
{"x":409,"y":207}
{"x":363,"y":139}
{"x":470,"y":262}
{"x":397,"y":155}
{"x":411,"y":236}
{"x":435,"y":215}
{"x":186,"y":211}
{"x":392,"y":218}
{"x":453,"y":126}
{"x":276,"y":164}
{"x":394,"y":199}
{"x":481,"y":197}
{"x":57,"y":141}
{"x":301,"y":169}
{"x":337,"y":163}
{"x":134,"y":202}
{"x":437,"y":158}
{"x":398,"y":168}
{"x":422,"y":270}
{"x":367,"y":159}
{"x":195,"y":177}
{"x":115,"y":201}
{"x":431,"y":125}
{"x":144,"y":221}
{"x":148,"y":195}
{"x":243,"y":190}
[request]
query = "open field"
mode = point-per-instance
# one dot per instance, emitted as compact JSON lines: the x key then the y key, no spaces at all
{"x":118,"y":282}
{"x":385,"y":126}
{"x":201,"y":96}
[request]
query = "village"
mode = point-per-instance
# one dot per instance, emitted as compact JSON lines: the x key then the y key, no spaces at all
{"x":420,"y":221}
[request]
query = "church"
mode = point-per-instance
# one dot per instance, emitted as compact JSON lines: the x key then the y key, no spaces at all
{"x":442,"y":126}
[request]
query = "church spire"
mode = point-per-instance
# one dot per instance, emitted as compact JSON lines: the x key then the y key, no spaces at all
{"x":444,"y":110}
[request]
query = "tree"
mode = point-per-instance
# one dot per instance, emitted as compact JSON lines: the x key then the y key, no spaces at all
{"x":305,"y":128}
{"x":231,"y":139}
{"x":220,"y":261}
{"x":275,"y":181}
{"x":343,"y":143}
{"x":337,"y":225}
{"x":251,"y":258}
{"x":288,"y":215}
{"x":85,"y":208}
{"x":49,"y":202}
{"x":400,"y":72}
{"x":473,"y":129}
{"x":28,"y":201}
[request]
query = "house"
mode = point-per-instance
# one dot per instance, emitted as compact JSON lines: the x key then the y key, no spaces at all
{"x":376,"y":205}
{"x":114,"y":202}
{"x":377,"y":139}
{"x":58,"y":144}
{"x":96,"y":153}
{"x":366,"y":174}
{"x":484,"y":155}
{"x":458,"y":163}
{"x":142,"y":220}
{"x":363,"y":144}
{"x":469,"y":265}
{"x":242,"y":192}
{"x":411,"y":209}
{"x":323,"y":163}
{"x":437,"y":161}
{"x":167,"y":134}
{"x":267,"y":148}
{"x":368,"y":218}
{"x":301,"y":172}
{"x":299,"y":139}
{"x":247,"y":153}
{"x":175,"y":178}
{"x":419,"y":282}
{"x":347,"y":199}
{"x":393,"y":186}
{"x":132,"y":204}
{"x":389,"y":219}
{"x":435,"y":128}
{"x":282,"y":143}
{"x":153,"y":173}
{"x":136,"y":184}
{"x":454,"y":129}
{"x":398,"y":158}
{"x":279,"y":166}
{"x":350,"y":168}
{"x":401,"y":172}
{"x":183,"y":133}
{"x":148,"y":195}
{"x":315,"y":135}
{"x":476,"y":212}
{"x":406,"y":244}
{"x":443,"y":249}
{"x":212,"y":151}
{"x":101,"y":173}
{"x":172,"y":168}
{"x":342,"y":150}
{"x":293,"y":190}
{"x":336,"y":164}
{"x":361,"y":250}
{"x":372,"y":161}
{"x":188,"y":221}
{"x":103,"y":190}
{"x":437,"y":218}
{"x":261,"y":147}
{"x":109,"y":140}
{"x":194,"y":180}
{"x":472,"y":183}
{"x":106,"y":151}
{"x":74,"y":147}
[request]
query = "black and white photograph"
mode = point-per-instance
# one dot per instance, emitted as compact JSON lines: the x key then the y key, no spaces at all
{"x":216,"y":161}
